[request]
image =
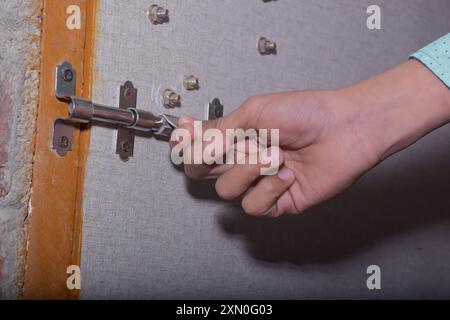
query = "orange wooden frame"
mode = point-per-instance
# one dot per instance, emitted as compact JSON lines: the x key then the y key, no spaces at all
{"x":54,"y":222}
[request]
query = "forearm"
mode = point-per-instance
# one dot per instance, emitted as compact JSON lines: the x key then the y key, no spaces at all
{"x":400,"y":106}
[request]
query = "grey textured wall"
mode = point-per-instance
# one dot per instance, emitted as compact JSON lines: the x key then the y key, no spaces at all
{"x":19,"y":83}
{"x":151,"y":233}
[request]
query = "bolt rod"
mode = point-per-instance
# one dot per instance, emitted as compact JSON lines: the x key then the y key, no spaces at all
{"x":85,"y":111}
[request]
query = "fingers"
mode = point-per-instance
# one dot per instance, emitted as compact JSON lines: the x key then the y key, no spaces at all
{"x":267,"y":197}
{"x":205,"y":135}
{"x":270,"y":196}
{"x":244,"y":118}
{"x":237,"y":180}
{"x":183,"y":151}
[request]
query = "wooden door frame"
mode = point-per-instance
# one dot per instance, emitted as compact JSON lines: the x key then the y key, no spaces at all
{"x":55,"y":212}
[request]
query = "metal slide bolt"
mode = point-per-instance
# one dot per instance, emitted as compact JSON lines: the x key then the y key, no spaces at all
{"x":157,"y":14}
{"x":266,"y":46}
{"x":171,"y":99}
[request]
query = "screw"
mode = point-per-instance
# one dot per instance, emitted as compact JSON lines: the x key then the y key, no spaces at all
{"x":191,"y":83}
{"x":171,"y":99}
{"x":125,"y":146}
{"x":266,"y":46}
{"x":64,"y":142}
{"x":127,"y":94}
{"x":157,"y":14}
{"x":68,"y":75}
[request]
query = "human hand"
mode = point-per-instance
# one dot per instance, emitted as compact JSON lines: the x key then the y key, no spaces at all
{"x":328,"y":139}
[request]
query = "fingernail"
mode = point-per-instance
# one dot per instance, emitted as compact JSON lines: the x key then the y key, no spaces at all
{"x":286,"y":174}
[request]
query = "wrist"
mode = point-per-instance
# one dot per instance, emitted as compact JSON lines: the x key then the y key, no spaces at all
{"x":398,"y":107}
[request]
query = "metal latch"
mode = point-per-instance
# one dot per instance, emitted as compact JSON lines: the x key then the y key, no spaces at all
{"x":127,"y":117}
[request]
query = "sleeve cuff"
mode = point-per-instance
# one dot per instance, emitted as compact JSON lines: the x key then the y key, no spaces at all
{"x":436,"y":57}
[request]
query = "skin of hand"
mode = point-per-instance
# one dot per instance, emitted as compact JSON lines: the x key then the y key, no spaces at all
{"x":328,"y":139}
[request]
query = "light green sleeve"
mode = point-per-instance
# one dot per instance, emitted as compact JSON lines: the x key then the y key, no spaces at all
{"x":436,"y":57}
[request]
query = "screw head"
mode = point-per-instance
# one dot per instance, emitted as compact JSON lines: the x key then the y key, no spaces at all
{"x":64,"y":142}
{"x":125,"y":146}
{"x":266,"y":46}
{"x":191,"y":83}
{"x":68,"y":75}
{"x":171,"y":99}
{"x":157,"y":14}
{"x":127,"y":93}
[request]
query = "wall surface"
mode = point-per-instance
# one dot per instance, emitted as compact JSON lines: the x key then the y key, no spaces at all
{"x":151,"y":233}
{"x":19,"y":79}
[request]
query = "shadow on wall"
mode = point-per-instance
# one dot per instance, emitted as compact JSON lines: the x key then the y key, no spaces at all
{"x":386,"y":203}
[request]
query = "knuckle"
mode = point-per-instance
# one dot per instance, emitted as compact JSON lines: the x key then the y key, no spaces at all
{"x":190,"y":172}
{"x":273,"y":213}
{"x":268,"y":185}
{"x":250,"y":207}
{"x":223,"y":190}
{"x":299,"y":207}
{"x":253,"y":102}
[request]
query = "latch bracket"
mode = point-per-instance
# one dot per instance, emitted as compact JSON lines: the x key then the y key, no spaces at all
{"x":125,"y":136}
{"x":63,"y":129}
{"x":66,"y":81}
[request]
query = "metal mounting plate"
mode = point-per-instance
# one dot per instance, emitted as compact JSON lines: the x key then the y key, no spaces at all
{"x":63,"y":129}
{"x":65,"y":80}
{"x":215,"y":109}
{"x":126,"y":137}
{"x":63,"y":136}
